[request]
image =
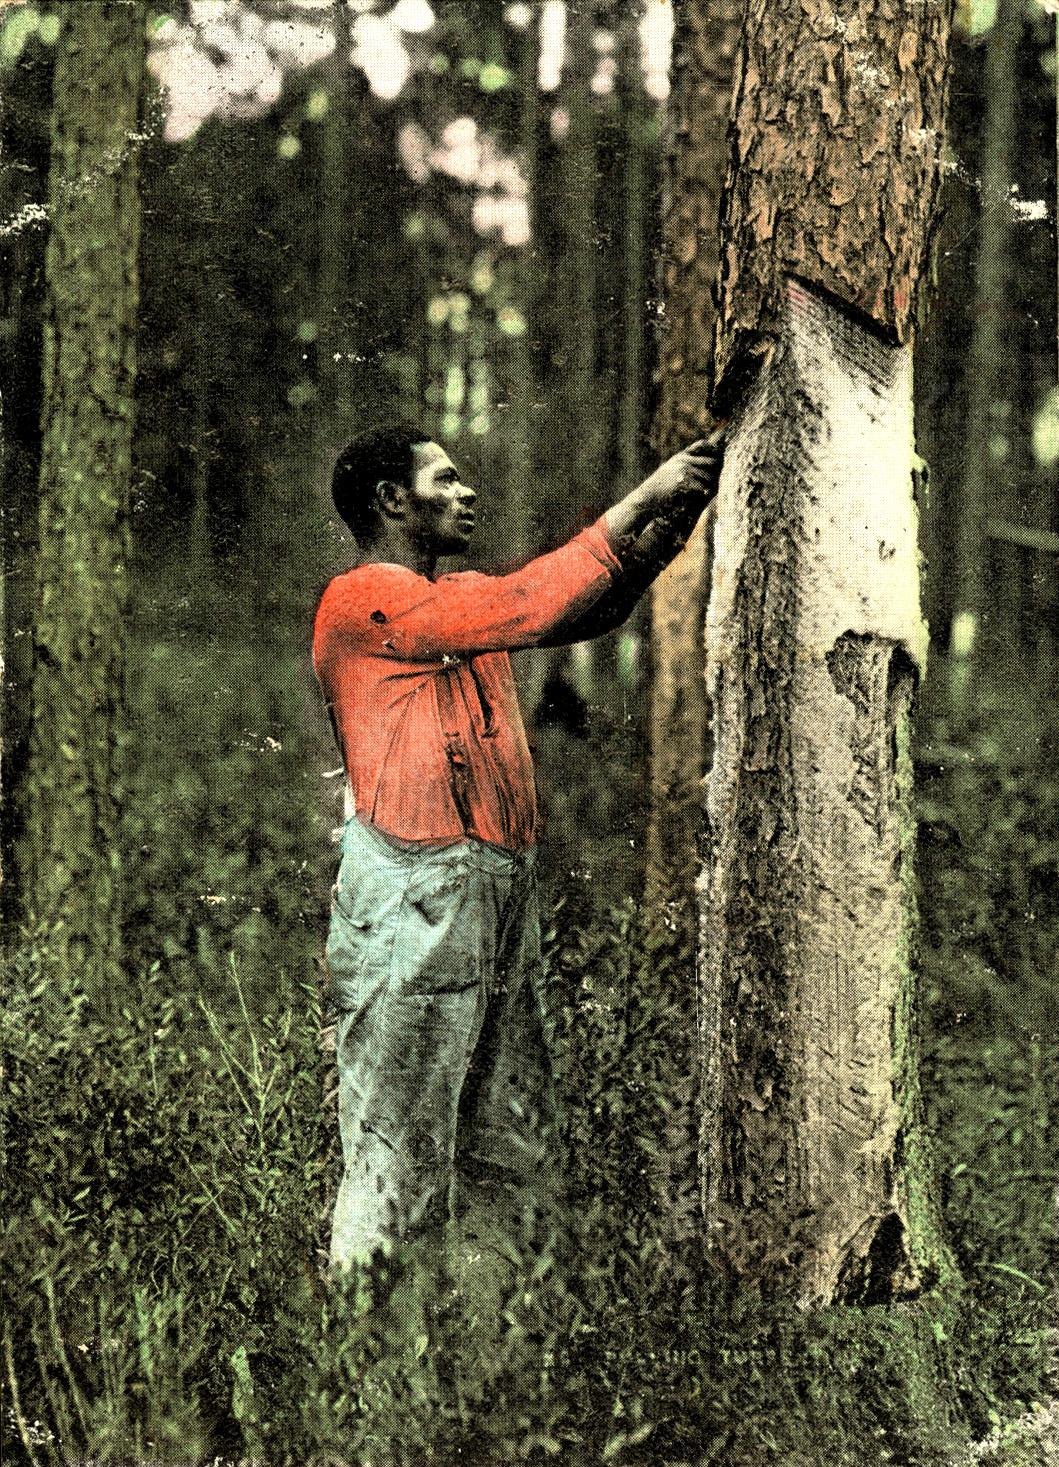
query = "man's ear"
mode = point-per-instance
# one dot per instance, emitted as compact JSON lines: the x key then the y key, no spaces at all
{"x":390,"y":497}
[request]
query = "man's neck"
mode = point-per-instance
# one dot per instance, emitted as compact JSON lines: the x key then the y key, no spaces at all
{"x":393,"y":548}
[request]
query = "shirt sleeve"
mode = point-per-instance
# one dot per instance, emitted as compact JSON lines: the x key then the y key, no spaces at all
{"x":389,"y":611}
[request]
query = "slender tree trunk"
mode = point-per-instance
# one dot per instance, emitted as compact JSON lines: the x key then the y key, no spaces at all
{"x":979,"y":618}
{"x":703,"y":58}
{"x":523,"y":394}
{"x":24,"y":110}
{"x":941,"y":350}
{"x":75,"y":788}
{"x":567,"y":215}
{"x":812,"y":1157}
{"x":578,"y":279}
{"x":634,"y":121}
{"x":705,"y":43}
{"x":337,"y":241}
{"x":199,"y":443}
{"x":578,"y":298}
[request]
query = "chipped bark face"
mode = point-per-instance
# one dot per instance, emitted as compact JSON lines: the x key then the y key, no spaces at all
{"x":704,"y":50}
{"x":75,"y":784}
{"x":834,"y":162}
{"x":815,"y":645}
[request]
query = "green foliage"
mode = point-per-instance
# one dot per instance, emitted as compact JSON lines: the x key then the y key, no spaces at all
{"x":989,"y":863}
{"x":989,"y":804}
{"x":168,"y":1170}
{"x":19,"y":26}
{"x":975,"y":17}
{"x":173,"y":1309}
{"x":228,"y":860}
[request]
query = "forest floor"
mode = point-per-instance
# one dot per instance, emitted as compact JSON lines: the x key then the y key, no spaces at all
{"x":1031,"y":1441}
{"x":165,"y":1288}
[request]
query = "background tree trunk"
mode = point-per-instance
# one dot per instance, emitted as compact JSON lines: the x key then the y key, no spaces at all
{"x":705,"y":42}
{"x":75,"y":783}
{"x":995,"y":339}
{"x":337,"y":241}
{"x":635,"y":116}
{"x":578,"y":300}
{"x":813,"y":1168}
{"x":577,"y":284}
{"x":24,"y":148}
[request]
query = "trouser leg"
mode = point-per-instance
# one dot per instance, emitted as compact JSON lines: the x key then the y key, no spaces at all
{"x":397,"y":1115}
{"x":508,"y":1184}
{"x":444,"y":1071}
{"x":411,"y":1008}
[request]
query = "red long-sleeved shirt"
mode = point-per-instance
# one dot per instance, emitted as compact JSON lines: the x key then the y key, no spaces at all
{"x":417,"y":675}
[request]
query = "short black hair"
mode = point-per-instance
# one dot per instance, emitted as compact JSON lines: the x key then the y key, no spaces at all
{"x":380,"y":453}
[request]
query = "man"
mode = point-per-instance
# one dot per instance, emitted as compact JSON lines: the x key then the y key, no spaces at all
{"x":446,"y":1106}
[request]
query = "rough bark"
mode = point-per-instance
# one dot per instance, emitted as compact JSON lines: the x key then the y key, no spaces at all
{"x":703,"y":60}
{"x":75,"y":789}
{"x":813,"y":1166}
{"x":834,"y":163}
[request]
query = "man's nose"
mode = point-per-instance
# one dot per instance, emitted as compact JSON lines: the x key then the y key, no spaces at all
{"x":467,"y":494}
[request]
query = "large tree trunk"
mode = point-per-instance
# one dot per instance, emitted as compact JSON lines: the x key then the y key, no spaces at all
{"x":75,"y":787}
{"x":813,"y":1165}
{"x":705,"y":43}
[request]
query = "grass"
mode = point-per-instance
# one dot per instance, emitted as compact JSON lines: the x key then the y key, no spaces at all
{"x":168,"y":1175}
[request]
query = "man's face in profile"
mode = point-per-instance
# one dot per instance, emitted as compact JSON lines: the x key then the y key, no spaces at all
{"x":439,"y":507}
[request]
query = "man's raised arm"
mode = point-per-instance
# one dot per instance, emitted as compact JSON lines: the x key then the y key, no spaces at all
{"x":691,"y":474}
{"x":689,"y":479}
{"x":387,"y":610}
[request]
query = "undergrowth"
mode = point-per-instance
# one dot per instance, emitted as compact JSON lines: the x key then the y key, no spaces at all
{"x":168,"y":1176}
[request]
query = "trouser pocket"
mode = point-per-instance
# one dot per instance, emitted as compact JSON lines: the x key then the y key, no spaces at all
{"x":365,"y":906}
{"x":438,"y":945}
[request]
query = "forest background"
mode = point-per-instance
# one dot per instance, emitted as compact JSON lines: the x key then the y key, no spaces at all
{"x":462,"y":214}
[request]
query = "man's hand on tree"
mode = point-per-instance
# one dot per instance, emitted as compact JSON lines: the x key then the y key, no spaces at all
{"x":685,"y":482}
{"x":693,"y":472}
{"x":650,"y":525}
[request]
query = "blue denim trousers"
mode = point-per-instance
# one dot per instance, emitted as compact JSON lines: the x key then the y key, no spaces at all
{"x":446,"y":1094}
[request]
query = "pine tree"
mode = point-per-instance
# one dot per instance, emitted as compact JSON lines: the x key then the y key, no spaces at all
{"x":705,"y":43}
{"x":704,"y":49}
{"x":812,"y":1156}
{"x":75,"y":790}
